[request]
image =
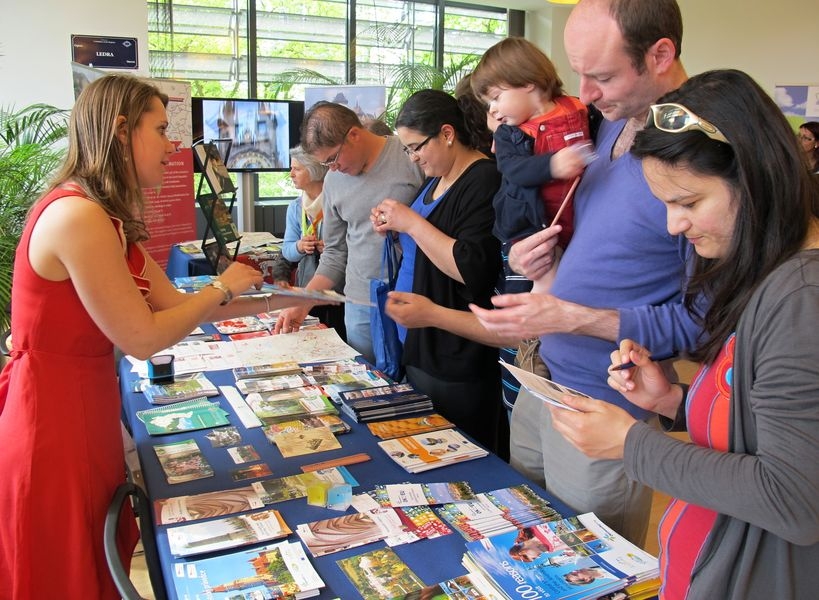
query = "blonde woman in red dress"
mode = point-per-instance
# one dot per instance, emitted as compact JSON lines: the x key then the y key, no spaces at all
{"x":83,"y":284}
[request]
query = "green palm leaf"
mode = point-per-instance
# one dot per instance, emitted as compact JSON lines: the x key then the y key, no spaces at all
{"x":31,"y":148}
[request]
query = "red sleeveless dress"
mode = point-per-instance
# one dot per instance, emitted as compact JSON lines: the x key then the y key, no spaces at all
{"x":61,"y":457}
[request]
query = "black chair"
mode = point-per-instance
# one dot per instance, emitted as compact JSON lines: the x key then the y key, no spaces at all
{"x":142,"y":507}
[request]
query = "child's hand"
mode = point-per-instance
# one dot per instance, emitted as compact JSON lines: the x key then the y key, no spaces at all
{"x":569,"y":162}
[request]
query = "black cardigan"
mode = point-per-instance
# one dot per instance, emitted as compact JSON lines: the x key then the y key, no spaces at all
{"x":466,"y":214}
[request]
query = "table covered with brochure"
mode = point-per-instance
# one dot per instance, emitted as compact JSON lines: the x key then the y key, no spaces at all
{"x":268,"y":480}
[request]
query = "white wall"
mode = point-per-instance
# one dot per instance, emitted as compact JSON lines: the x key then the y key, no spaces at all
{"x":35,"y":47}
{"x":776,"y":42}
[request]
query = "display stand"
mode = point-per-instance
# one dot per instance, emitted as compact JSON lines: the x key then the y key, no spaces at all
{"x":217,"y":205}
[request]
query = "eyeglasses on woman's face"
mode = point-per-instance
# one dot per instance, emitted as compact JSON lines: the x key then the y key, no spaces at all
{"x":333,"y":162}
{"x":412,"y":152}
{"x":675,"y":118}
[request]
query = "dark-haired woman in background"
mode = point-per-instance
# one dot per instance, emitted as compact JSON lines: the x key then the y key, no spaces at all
{"x":449,"y":256}
{"x":809,"y":140}
{"x":744,"y":522}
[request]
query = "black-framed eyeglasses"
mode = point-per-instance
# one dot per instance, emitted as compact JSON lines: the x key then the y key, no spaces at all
{"x":333,"y":161}
{"x":675,"y":118}
{"x":414,"y":151}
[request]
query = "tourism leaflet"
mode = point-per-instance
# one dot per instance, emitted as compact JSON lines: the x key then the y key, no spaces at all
{"x":286,"y":405}
{"x":182,"y":461}
{"x":188,"y":415}
{"x":291,"y":487}
{"x":228,"y":532}
{"x":420,"y":521}
{"x":380,"y":574}
{"x":240,"y":325}
{"x":184,"y":387}
{"x":280,"y":570}
{"x":547,"y":390}
{"x":577,"y":557}
{"x":266,"y":370}
{"x":421,"y":494}
{"x":181,"y":509}
{"x":422,"y":452}
{"x":333,"y":422}
{"x":394,"y":428}
{"x":309,"y":441}
{"x":457,"y":588}
{"x":350,"y":531}
{"x":498,"y":511}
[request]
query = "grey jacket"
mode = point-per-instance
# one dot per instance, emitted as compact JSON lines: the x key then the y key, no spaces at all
{"x":765,"y":542}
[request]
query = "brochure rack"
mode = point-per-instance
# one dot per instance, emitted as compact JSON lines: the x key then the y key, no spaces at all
{"x":217,"y":204}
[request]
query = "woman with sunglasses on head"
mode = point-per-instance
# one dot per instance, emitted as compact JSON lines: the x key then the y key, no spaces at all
{"x":809,"y":140}
{"x":449,"y":256}
{"x":744,"y":521}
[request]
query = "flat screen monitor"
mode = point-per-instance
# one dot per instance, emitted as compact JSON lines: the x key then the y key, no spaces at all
{"x":261,"y":131}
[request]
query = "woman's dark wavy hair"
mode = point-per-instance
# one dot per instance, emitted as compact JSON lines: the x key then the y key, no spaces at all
{"x":763,"y":166}
{"x":426,"y":111}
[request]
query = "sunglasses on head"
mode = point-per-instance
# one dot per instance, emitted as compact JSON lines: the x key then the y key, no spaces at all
{"x":675,"y":118}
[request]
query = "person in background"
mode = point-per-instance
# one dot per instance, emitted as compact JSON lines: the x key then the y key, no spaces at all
{"x":377,"y":126}
{"x":303,"y":241}
{"x":536,"y":144}
{"x":476,"y":114}
{"x":83,"y":284}
{"x":809,"y":140}
{"x":364,"y":168}
{"x":742,"y":524}
{"x":622,"y":274}
{"x":449,"y":256}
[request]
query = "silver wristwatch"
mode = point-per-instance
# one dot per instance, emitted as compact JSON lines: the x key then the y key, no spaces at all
{"x":224,"y":289}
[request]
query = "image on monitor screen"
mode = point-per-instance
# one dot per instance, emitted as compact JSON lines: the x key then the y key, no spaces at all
{"x":261,"y":131}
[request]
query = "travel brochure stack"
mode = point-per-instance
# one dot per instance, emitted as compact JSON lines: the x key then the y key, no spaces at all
{"x":577,"y":557}
{"x":183,"y":388}
{"x":373,"y":403}
{"x":497,"y":511}
{"x":425,"y":451}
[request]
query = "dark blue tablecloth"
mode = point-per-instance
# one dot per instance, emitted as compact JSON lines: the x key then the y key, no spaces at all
{"x":432,"y":560}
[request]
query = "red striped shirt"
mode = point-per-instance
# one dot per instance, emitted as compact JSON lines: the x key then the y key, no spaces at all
{"x":685,"y":527}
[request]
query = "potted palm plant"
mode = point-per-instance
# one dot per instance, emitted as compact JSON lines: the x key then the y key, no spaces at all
{"x":31,"y":147}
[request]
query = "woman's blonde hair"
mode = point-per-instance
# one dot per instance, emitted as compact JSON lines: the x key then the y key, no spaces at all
{"x":97,"y":160}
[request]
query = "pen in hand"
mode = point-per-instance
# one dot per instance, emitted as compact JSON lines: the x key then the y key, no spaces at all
{"x":630,"y":364}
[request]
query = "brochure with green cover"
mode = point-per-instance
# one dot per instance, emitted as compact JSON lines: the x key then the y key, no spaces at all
{"x":190,"y":415}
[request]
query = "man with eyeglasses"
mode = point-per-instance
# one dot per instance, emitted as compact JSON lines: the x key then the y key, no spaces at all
{"x":365,"y":168}
{"x":622,"y":273}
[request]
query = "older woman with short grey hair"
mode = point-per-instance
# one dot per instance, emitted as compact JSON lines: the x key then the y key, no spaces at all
{"x":303,"y":243}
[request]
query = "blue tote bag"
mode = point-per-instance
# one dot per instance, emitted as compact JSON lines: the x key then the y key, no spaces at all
{"x":386,"y":345}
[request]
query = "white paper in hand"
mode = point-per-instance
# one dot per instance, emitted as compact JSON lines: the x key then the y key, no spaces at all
{"x":545,"y":389}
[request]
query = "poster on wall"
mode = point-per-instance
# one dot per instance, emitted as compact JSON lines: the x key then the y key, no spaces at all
{"x":170,"y":211}
{"x":367,"y":101}
{"x":800,"y":103}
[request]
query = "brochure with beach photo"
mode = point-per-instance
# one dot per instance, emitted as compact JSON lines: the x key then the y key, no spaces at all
{"x":577,"y":557}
